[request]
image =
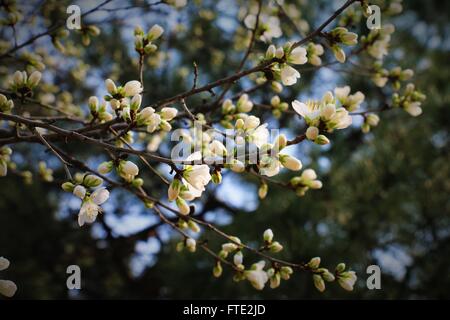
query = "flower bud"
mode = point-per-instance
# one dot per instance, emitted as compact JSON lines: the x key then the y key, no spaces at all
{"x":270,"y":52}
{"x":238,"y":258}
{"x":93,"y":103}
{"x":34,"y":79}
{"x":92,"y":181}
{"x":312,"y":133}
{"x":191,"y":244}
{"x":314,"y":263}
{"x":268,"y":235}
{"x":110,"y":86}
{"x":280,"y":143}
{"x":319,"y":283}
{"x":239,"y":124}
{"x":174,"y":189}
{"x":217,"y":270}
{"x":262,"y":191}
{"x":105,"y":167}
{"x":79,"y":191}
{"x":138,"y":182}
{"x":4,"y":263}
{"x":183,"y":206}
{"x":168,"y":113}
{"x":193,"y":226}
{"x":132,"y":88}
{"x":322,"y":140}
{"x":290,"y":162}
{"x":68,"y":186}
{"x":275,"y":247}
{"x":7,"y":288}
{"x":136,"y":101}
{"x":155,"y":32}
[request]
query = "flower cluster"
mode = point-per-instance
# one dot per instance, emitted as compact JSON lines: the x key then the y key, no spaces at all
{"x":341,"y":36}
{"x":156,"y":120}
{"x":313,"y":53}
{"x":83,"y":187}
{"x":7,"y":287}
{"x":351,"y":102}
{"x":126,"y":169}
{"x":23,"y":84}
{"x":395,"y":75}
{"x":98,"y":110}
{"x":231,"y":111}
{"x":307,"y":180}
{"x":268,"y":27}
{"x":410,"y":100}
{"x":324,"y":116}
{"x":286,"y":55}
{"x":377,"y":41}
{"x":87,"y":32}
{"x":143,"y":43}
{"x":272,"y":160}
{"x":370,"y":120}
{"x":346,"y":279}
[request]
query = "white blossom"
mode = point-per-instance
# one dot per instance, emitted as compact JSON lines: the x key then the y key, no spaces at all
{"x":289,"y":75}
{"x":132,"y":88}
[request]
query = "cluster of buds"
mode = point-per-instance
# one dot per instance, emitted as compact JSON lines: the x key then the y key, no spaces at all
{"x":350,"y":102}
{"x":5,"y":104}
{"x":185,"y":224}
{"x":277,"y":274}
{"x":5,"y":158}
{"x":286,"y":56}
{"x":231,"y":111}
{"x":154,"y":120}
{"x":45,"y":173}
{"x":7,"y":287}
{"x":98,"y":110}
{"x":126,"y":169}
{"x":33,"y":61}
{"x":377,"y":41}
{"x":116,"y":95}
{"x":82,"y":187}
{"x":23,"y":84}
{"x":340,"y":36}
{"x":278,"y":107}
{"x":57,"y":37}
{"x":12,"y":14}
{"x":87,"y":32}
{"x":395,"y":75}
{"x":313,"y":53}
{"x":269,"y":244}
{"x":324,"y":116}
{"x":320,"y":275}
{"x":143,"y":43}
{"x":346,"y":279}
{"x":272,"y":160}
{"x":307,"y":180}
{"x":370,"y":120}
{"x":410,"y":100}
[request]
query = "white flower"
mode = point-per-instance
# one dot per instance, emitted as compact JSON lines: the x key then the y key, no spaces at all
{"x":297,"y":56}
{"x":259,"y":136}
{"x":349,"y":101}
{"x":132,"y":88}
{"x":310,"y":111}
{"x":153,"y":122}
{"x":217,"y":148}
{"x":7,"y":288}
{"x":168,"y":113}
{"x":91,"y":206}
{"x":4,"y":263}
{"x":340,"y":120}
{"x":79,"y":191}
{"x":269,"y":166}
{"x":289,"y":75}
{"x":244,"y":104}
{"x":257,"y":276}
{"x":197,"y":175}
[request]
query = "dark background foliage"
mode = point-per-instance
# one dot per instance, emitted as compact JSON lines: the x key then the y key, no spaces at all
{"x":385,"y":199}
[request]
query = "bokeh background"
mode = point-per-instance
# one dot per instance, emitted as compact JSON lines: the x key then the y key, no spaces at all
{"x":385,"y":199}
